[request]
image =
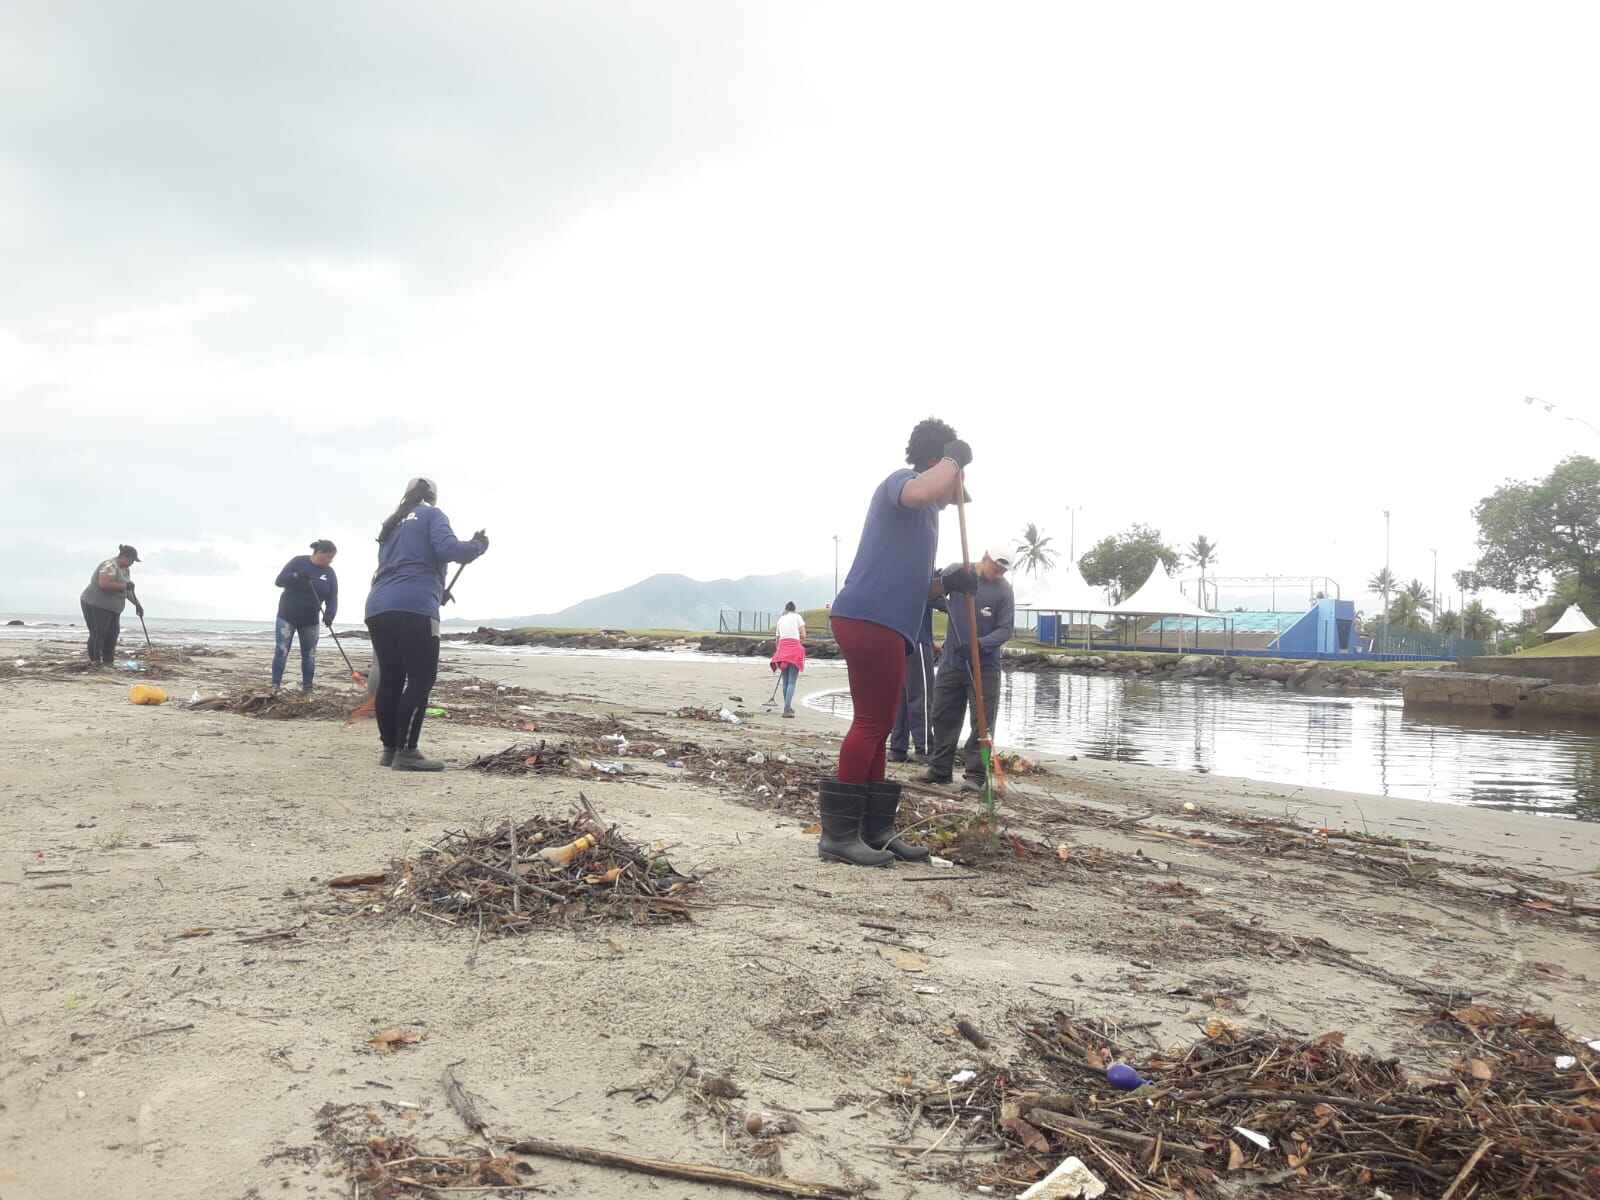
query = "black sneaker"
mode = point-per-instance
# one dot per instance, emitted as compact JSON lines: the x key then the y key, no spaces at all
{"x":897,"y":756}
{"x":386,"y":759}
{"x":932,"y":776}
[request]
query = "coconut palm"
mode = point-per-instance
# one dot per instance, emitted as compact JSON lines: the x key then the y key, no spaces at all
{"x":1478,"y":623}
{"x":1420,"y":596}
{"x":1405,"y":614}
{"x":1383,"y":582}
{"x":1033,"y":551}
{"x":1202,"y":553}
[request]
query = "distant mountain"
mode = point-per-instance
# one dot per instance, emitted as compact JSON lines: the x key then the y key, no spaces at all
{"x":678,"y":602}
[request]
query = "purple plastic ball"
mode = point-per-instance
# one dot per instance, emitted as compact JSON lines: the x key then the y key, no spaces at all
{"x":1120,"y":1075}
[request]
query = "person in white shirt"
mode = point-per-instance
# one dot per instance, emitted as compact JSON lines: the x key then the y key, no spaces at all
{"x":790,"y":655}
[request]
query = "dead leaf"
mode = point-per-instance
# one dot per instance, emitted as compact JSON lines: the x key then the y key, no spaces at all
{"x":1030,"y":1137}
{"x":616,"y":945}
{"x":1482,"y":1070}
{"x":906,"y":960}
{"x":610,"y":876}
{"x":1094,"y":1060}
{"x":201,"y":931}
{"x":814,"y":827}
{"x":390,"y":1040}
{"x":1235,"y":1155}
{"x":1333,"y":1039}
{"x":359,"y":879}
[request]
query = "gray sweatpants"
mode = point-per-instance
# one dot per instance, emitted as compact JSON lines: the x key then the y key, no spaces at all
{"x":952,"y":700}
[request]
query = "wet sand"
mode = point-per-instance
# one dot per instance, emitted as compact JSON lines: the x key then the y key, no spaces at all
{"x":163,"y":820}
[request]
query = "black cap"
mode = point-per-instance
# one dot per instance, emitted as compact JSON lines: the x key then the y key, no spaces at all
{"x":128,"y":552}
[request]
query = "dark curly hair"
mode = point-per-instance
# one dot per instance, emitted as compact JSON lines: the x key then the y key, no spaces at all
{"x":928,"y":441}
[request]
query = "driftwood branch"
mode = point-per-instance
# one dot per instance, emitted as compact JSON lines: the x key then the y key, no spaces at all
{"x":465,"y":1108}
{"x":695,"y":1172}
{"x":1133,"y":1141}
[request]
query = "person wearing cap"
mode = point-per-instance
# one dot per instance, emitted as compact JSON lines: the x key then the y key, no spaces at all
{"x":952,"y":691}
{"x":415,"y":546}
{"x":310,"y":588}
{"x":875,"y":616}
{"x":110,"y":588}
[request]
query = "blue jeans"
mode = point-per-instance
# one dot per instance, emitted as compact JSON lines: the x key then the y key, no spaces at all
{"x":791,"y":676}
{"x":283,"y":639}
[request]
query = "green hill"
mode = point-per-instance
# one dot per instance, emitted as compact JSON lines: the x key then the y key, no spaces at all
{"x":1579,"y":645}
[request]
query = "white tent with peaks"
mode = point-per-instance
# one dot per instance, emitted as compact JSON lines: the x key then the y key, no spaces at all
{"x":1158,"y":596}
{"x":1058,"y":590}
{"x":1572,"y":621}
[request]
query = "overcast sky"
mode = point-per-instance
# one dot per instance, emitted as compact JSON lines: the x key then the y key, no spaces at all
{"x":663,"y":286}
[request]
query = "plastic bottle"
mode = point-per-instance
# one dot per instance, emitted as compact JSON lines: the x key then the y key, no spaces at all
{"x":560,"y":856}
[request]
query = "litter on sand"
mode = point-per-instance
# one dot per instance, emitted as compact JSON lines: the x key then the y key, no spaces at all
{"x":1303,"y":1115}
{"x":544,"y":871}
{"x":1070,"y":1180}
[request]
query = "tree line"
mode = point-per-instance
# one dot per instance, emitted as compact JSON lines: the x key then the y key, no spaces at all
{"x":1535,"y":538}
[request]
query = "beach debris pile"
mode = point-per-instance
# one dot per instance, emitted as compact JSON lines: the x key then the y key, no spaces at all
{"x":523,"y":758}
{"x":384,"y":1164}
{"x":1513,"y":1111}
{"x":542,"y":871}
{"x":286,"y":705}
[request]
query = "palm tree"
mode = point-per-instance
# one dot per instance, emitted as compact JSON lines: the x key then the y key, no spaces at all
{"x":1033,"y":552}
{"x":1478,"y":623}
{"x":1420,"y":596}
{"x":1202,"y":552}
{"x":1406,"y":613}
{"x":1383,"y":582}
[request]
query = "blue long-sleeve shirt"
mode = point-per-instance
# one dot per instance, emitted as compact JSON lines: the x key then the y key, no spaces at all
{"x":306,"y":586}
{"x":412,"y":563}
{"x":997,"y":608}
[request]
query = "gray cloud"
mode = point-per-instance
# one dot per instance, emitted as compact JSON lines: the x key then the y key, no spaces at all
{"x":411,"y":130}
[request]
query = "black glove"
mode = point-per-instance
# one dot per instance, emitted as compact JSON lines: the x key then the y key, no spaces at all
{"x":482,"y":538}
{"x":959,"y":451}
{"x":138,"y":608}
{"x":959,"y":579}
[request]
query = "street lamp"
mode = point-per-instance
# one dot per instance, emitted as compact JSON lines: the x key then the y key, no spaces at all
{"x":1387,"y":541}
{"x":836,"y":566}
{"x":1072,"y":532}
{"x":1435,"y":591}
{"x":1550,"y":409}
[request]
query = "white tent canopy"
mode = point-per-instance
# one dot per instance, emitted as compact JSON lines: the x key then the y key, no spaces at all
{"x":1060,"y":590}
{"x":1159,"y":596}
{"x":1572,"y":621}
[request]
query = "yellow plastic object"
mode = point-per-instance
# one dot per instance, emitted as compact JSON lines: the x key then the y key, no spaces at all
{"x":146,"y":693}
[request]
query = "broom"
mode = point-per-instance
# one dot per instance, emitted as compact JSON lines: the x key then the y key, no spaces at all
{"x":994,"y":783}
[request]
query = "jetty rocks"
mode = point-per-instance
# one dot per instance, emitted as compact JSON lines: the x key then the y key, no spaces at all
{"x":1502,"y":695}
{"x":1295,"y":676}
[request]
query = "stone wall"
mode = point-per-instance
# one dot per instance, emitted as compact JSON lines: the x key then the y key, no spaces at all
{"x":1560,"y":669}
{"x":1503,"y":695}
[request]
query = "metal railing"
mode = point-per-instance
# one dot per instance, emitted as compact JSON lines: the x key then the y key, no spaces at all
{"x":740,"y":620}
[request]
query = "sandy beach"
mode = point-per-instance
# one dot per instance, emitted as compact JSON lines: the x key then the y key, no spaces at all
{"x":139,"y":1062}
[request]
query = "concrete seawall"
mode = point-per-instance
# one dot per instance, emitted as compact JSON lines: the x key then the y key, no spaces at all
{"x":1503,"y":695}
{"x":1563,"y":669}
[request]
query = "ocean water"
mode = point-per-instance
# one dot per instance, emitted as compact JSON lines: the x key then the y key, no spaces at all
{"x":1360,"y":743}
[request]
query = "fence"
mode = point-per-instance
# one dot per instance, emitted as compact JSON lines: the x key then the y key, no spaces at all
{"x":740,"y":620}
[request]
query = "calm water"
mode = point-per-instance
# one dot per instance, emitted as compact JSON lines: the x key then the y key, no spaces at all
{"x":1365,"y":743}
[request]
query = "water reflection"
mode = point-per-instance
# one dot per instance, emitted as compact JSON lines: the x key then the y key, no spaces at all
{"x":1365,"y":743}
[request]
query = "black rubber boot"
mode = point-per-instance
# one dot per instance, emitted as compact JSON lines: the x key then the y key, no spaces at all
{"x":412,"y":760}
{"x":841,"y":806}
{"x":877,"y":824}
{"x":386,"y":759}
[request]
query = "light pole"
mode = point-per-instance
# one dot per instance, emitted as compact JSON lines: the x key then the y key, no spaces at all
{"x":1436,"y":591}
{"x":1072,"y":533}
{"x":1386,"y":546}
{"x":836,"y":565}
{"x":1551,"y":409}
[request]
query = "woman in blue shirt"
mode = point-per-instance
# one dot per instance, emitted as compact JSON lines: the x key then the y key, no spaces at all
{"x":875,"y":617}
{"x":310,"y":589}
{"x":414,"y":547}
